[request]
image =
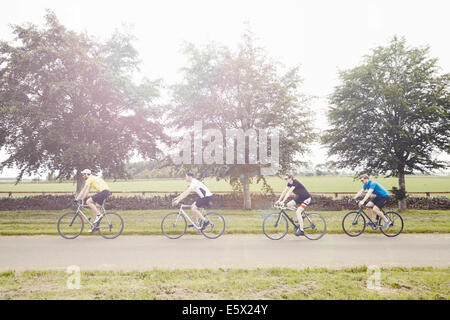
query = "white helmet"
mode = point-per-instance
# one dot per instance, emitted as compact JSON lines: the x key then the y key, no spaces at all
{"x":86,"y":171}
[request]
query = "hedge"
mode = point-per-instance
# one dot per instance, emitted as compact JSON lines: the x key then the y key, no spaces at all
{"x":227,"y":201}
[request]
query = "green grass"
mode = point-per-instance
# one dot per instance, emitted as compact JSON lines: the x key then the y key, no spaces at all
{"x":148,"y":222}
{"x":313,"y":184}
{"x":275,"y":283}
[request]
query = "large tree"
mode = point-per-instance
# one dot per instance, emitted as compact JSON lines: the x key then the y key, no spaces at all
{"x":390,"y":115}
{"x":242,"y":89}
{"x":68,"y":102}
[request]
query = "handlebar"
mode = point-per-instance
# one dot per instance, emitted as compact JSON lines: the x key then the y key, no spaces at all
{"x":182,"y":205}
{"x":81,"y":204}
{"x":357,"y":202}
{"x":282,"y":207}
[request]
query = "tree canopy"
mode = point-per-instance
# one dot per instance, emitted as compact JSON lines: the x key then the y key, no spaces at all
{"x":391,"y":114}
{"x":242,"y":89}
{"x":68,"y":102}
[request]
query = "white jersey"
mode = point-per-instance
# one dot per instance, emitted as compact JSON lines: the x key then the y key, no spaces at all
{"x":200,"y":188}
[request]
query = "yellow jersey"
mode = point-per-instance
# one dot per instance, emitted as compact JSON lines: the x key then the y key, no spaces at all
{"x":97,"y":183}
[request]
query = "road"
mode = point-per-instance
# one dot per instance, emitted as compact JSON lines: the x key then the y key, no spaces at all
{"x":230,"y":251}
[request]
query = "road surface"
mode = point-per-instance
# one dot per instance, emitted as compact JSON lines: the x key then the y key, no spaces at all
{"x":230,"y":251}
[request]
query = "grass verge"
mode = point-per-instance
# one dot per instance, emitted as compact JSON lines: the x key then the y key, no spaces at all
{"x":148,"y":222}
{"x":274,"y":283}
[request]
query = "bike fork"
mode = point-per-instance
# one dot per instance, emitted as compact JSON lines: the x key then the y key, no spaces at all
{"x":73,"y":220}
{"x":278,"y":220}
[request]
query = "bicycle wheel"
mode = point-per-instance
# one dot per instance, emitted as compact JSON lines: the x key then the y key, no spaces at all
{"x":275,"y":226}
{"x":314,"y":226}
{"x":70,"y":225}
{"x":173,"y":225}
{"x":216,"y":225}
{"x":353,"y":223}
{"x":396,"y":226}
{"x":110,"y":225}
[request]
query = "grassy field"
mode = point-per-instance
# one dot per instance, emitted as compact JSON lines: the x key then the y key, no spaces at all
{"x":148,"y":222}
{"x":320,"y":283}
{"x":313,"y":184}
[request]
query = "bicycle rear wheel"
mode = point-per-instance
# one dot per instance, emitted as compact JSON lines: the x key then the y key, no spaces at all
{"x":111,"y":225}
{"x":353,"y":223}
{"x":70,"y":225}
{"x":396,"y":226}
{"x":173,"y":225}
{"x":275,"y":226}
{"x":314,"y":226}
{"x":216,"y":225}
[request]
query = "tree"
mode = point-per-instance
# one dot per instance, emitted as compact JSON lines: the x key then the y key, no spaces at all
{"x":68,"y":102}
{"x":391,"y":114}
{"x":242,"y":90}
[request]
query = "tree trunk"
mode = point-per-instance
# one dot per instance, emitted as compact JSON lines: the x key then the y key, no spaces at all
{"x":247,"y":196}
{"x":402,"y":187}
{"x":80,"y":181}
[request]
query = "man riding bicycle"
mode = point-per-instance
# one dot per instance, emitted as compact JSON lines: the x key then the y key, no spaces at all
{"x":96,"y":201}
{"x":302,"y":198}
{"x":382,"y":197}
{"x":204,"y":200}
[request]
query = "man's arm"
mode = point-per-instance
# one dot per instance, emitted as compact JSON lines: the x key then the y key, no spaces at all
{"x":368,"y":194}
{"x":83,"y":193}
{"x":358,"y":194}
{"x":183,"y":195}
{"x":288,"y":193}
{"x":282,"y":194}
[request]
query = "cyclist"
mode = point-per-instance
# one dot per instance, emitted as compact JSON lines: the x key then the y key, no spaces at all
{"x":204,"y":200}
{"x":96,"y":200}
{"x":302,"y":198}
{"x":382,"y":197}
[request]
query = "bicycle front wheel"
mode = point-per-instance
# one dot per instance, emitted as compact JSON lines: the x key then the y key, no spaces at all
{"x":110,"y":226}
{"x":70,"y":225}
{"x":353,"y":223}
{"x":396,"y":226}
{"x":275,"y":226}
{"x":216,"y":226}
{"x":314,"y":226}
{"x":173,"y":225}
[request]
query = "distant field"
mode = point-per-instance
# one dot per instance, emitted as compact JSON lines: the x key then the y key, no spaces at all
{"x":313,"y":184}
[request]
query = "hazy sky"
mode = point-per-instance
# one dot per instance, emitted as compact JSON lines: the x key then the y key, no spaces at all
{"x":320,"y":36}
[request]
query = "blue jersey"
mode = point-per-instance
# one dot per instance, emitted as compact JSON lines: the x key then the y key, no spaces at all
{"x":378,"y":190}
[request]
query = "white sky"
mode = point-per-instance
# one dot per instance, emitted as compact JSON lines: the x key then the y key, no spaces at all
{"x":321,"y":36}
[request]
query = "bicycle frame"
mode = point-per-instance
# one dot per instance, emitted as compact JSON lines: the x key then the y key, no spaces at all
{"x":375,"y":223}
{"x":84,"y":217}
{"x":283,"y":212}
{"x":182,"y":212}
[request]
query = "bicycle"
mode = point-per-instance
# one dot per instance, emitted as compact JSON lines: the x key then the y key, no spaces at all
{"x":354,"y":223}
{"x":275,"y":225}
{"x":174,"y":224}
{"x":71,"y":224}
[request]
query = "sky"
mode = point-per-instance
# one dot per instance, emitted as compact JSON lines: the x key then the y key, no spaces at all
{"x":321,"y":36}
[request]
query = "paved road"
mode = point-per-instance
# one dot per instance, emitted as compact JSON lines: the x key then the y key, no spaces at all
{"x":230,"y":251}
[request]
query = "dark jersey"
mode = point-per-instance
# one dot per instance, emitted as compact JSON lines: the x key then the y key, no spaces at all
{"x":299,"y":190}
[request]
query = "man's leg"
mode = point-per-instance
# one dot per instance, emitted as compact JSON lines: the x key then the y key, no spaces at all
{"x":300,"y":209}
{"x":93,"y":205}
{"x":299,"y":213}
{"x":196,"y":213}
{"x":369,"y":206}
{"x":380,"y":213}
